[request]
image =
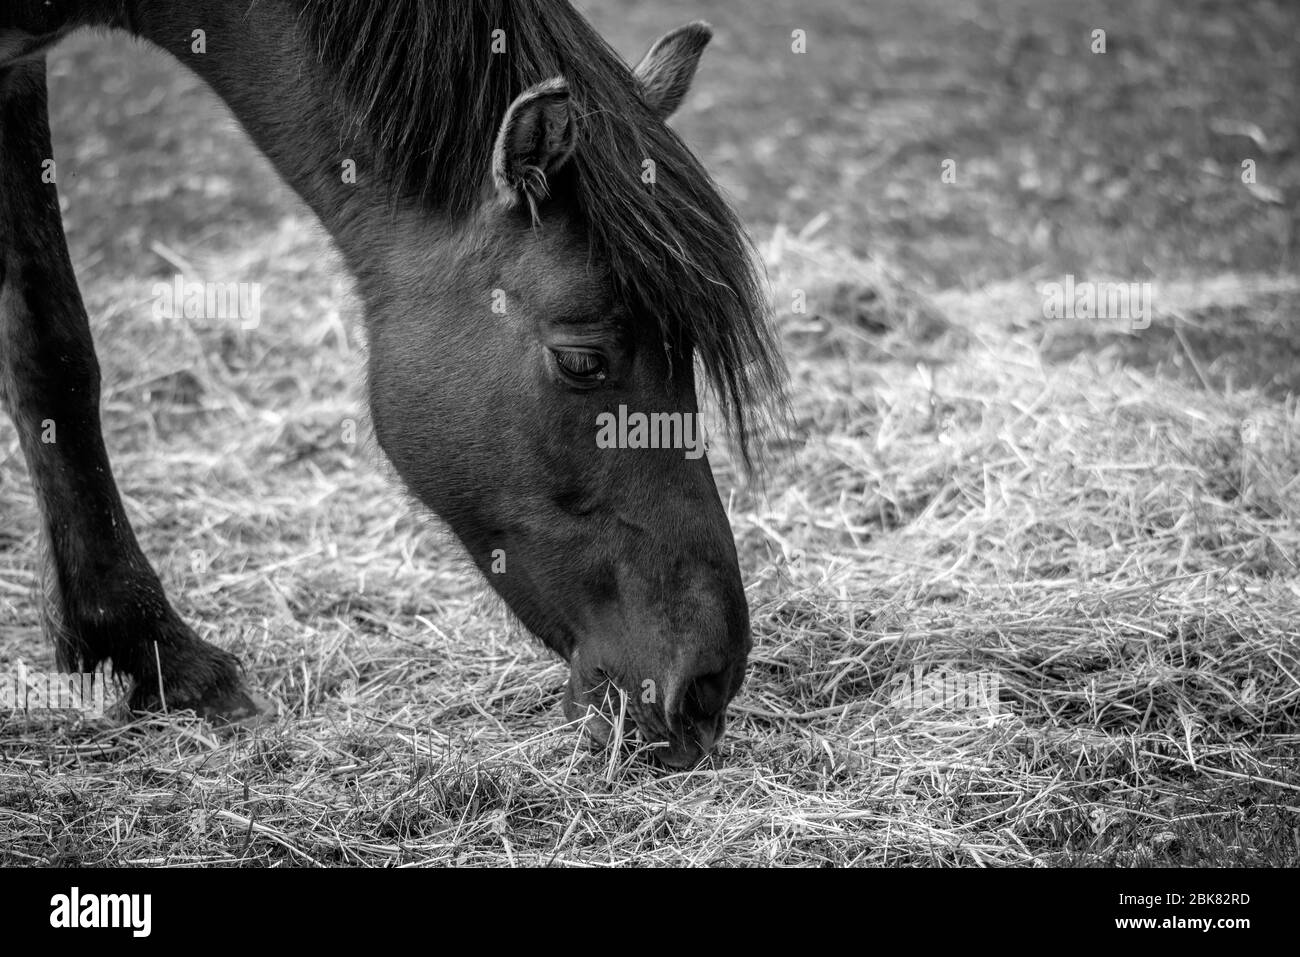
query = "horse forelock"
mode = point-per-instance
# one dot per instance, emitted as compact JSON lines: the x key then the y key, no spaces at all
{"x":421,"y":78}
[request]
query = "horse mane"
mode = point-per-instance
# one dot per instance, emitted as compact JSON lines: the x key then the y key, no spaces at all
{"x":420,"y":77}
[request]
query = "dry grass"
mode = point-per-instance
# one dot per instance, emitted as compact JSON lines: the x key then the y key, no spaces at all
{"x":1093,"y":529}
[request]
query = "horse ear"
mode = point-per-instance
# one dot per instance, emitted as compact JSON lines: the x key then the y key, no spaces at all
{"x":666,"y":71}
{"x":536,"y":138}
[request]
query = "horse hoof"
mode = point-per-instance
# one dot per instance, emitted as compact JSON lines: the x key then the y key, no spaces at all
{"x":239,"y":706}
{"x":234,"y":706}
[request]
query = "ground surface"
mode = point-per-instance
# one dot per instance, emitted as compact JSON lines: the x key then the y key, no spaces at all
{"x":1105,"y":522}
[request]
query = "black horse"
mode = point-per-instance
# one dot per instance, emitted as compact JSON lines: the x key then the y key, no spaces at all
{"x":535,"y":248}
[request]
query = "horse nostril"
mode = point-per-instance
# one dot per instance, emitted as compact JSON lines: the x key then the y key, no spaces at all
{"x":707,"y":695}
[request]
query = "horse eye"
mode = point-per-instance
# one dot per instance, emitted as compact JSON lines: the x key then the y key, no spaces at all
{"x":587,"y":368}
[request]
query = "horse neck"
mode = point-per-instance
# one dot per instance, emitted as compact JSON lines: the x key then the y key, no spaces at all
{"x":256,"y":63}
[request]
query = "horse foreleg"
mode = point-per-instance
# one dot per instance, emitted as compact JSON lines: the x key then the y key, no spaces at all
{"x":103,"y":601}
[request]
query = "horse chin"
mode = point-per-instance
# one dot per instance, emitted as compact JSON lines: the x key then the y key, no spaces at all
{"x":587,"y":698}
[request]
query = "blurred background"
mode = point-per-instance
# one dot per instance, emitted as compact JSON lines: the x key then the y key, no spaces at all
{"x":1126,"y":162}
